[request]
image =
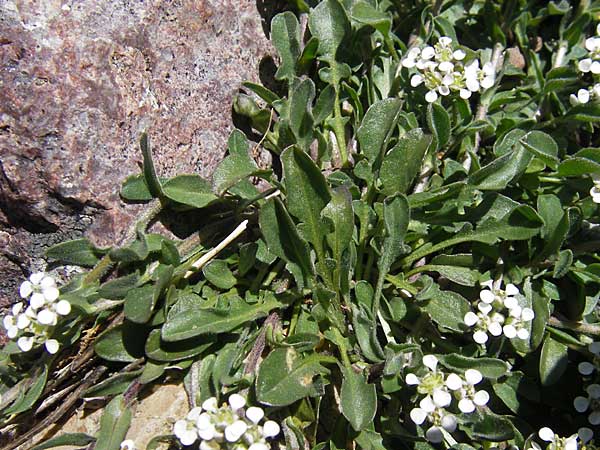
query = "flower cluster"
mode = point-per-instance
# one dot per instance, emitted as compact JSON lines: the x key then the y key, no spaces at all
{"x":228,"y":426}
{"x":33,"y":320}
{"x":556,"y":442}
{"x":441,"y":69}
{"x":589,"y":64}
{"x":439,"y":390}
{"x":590,"y":404}
{"x":128,"y":444}
{"x":499,"y":312}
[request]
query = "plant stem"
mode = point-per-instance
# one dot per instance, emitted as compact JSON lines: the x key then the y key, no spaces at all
{"x":338,"y":124}
{"x":342,"y":347}
{"x":586,"y":328}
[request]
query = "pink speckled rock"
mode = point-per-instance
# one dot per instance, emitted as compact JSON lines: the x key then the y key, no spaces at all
{"x":79,"y":81}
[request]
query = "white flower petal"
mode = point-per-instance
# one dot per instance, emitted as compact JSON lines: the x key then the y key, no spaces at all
{"x":481,"y":398}
{"x":449,"y":423}
{"x":418,"y":415}
{"x":571,"y":443}
{"x":444,"y":90}
{"x":409,"y":63}
{"x":585,"y":434}
{"x":235,"y":431}
{"x":585,"y":65}
{"x":22,"y":321}
{"x":593,"y":390}
{"x":465,"y":93}
{"x":583,"y":96}
{"x":47,"y":317}
{"x":495,"y":329}
{"x":487,"y":296}
{"x":25,"y":343}
{"x":37,"y":300}
{"x":194,"y":414}
{"x":411,"y":379}
{"x":459,"y":55}
{"x":26,"y":289}
{"x":473,"y":376}
{"x":454,"y":382}
{"x":445,"y":41}
{"x":595,"y":69}
{"x":523,"y":333}
{"x":17,"y":308}
{"x":434,"y":435}
{"x":51,"y":293}
{"x":270,"y":428}
{"x":8,"y":322}
{"x":512,"y":303}
{"x":180,"y":427}
{"x":431,"y":96}
{"x":210,"y":404}
{"x":36,"y":278}
{"x":527,"y":315}
{"x":427,"y":404}
{"x":594,"y":418}
{"x":47,"y":282}
{"x":511,"y":290}
{"x":416,"y":80}
{"x":487,"y":82}
{"x":466,"y":405}
{"x":509,"y":331}
{"x":485,"y":308}
{"x":236,"y":401}
{"x":480,"y":337}
{"x":586,"y":368}
{"x":127,"y":444}
{"x":441,"y":398}
{"x":63,"y":308}
{"x":428,"y":52}
{"x":470,"y":319}
{"x":188,"y":437}
{"x":52,"y":346}
{"x":430,"y":362}
{"x":581,"y":404}
{"x":12,"y":332}
{"x":546,"y":434}
{"x":258,"y":446}
{"x":594,"y":347}
{"x":254,"y":414}
{"x":207,"y":433}
{"x":446,"y":66}
{"x":204,"y":421}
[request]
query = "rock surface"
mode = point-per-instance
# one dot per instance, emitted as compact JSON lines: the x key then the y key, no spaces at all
{"x":79,"y":81}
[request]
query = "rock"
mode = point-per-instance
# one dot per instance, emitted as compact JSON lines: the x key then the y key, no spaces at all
{"x":81,"y":79}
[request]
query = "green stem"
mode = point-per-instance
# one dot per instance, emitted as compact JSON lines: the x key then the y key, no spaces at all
{"x":392,"y":50}
{"x":586,"y":328}
{"x":342,"y":347}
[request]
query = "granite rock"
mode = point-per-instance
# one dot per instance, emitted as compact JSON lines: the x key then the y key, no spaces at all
{"x":80,"y":80}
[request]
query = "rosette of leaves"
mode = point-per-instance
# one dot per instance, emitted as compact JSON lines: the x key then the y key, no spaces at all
{"x":369,"y":238}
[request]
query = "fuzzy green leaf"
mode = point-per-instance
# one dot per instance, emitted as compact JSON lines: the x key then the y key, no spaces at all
{"x":114,"y":424}
{"x":285,"y":35}
{"x":358,"y":399}
{"x":379,"y":120}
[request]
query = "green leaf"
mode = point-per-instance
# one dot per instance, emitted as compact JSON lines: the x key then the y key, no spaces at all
{"x":339,"y":212}
{"x":218,"y":273}
{"x":135,"y":188}
{"x":116,"y":384}
{"x":139,"y":304}
{"x":159,"y":350}
{"x":285,"y":36}
{"x":329,"y":23}
{"x":542,"y":146}
{"x":136,"y":251}
{"x":589,"y":112}
{"x":190,"y":190}
{"x":364,"y":13}
{"x":584,"y":162}
{"x":460,"y":275}
{"x":438,"y":121}
{"x":358,"y":399}
{"x":76,"y":439}
{"x":267,"y":95}
{"x":448,"y":310}
{"x":554,"y":360}
{"x":196,"y":322}
{"x":114,"y":424}
{"x":283,"y":240}
{"x":324,"y":106}
{"x":79,"y":252}
{"x":402,"y":164}
{"x":492,"y":427}
{"x":489,"y":367}
{"x":34,"y":391}
{"x":379,"y":121}
{"x":496,"y":175}
{"x":123,"y":343}
{"x":396,"y":216}
{"x":152,"y":181}
{"x":118,"y":288}
{"x":285,"y":376}
{"x":300,"y":114}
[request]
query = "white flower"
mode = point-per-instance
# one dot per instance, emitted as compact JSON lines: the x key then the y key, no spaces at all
{"x":570,"y":443}
{"x":254,"y":414}
{"x":594,"y":191}
{"x":235,"y":431}
{"x":591,"y":402}
{"x":270,"y":429}
{"x":585,"y":434}
{"x":431,"y":96}
{"x":236,"y":401}
{"x":25,"y":343}
{"x":128,"y":444}
{"x":52,"y":346}
{"x":469,"y":396}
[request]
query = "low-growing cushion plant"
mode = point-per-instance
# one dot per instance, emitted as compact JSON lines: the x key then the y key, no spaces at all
{"x":418,"y":268}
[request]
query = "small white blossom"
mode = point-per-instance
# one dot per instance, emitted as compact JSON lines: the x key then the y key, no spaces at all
{"x":228,"y":426}
{"x":595,"y":190}
{"x":557,"y":442}
{"x":441,"y":69}
{"x":128,"y":444}
{"x":32,"y":322}
{"x":590,"y":403}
